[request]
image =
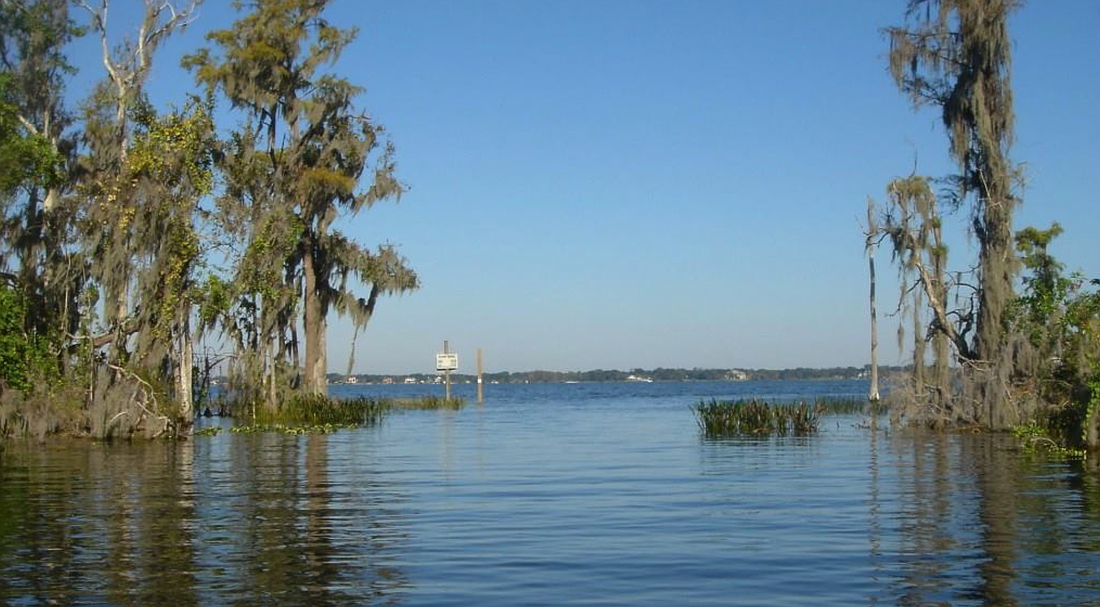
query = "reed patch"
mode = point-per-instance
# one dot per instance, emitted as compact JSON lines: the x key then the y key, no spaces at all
{"x":315,"y":414}
{"x":427,"y":403}
{"x":317,"y":410}
{"x":725,"y":418}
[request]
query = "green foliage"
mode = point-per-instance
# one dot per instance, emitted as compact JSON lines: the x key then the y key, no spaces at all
{"x":32,"y":41}
{"x":1036,"y":437}
{"x":26,"y":159}
{"x":24,"y":359}
{"x":130,"y":217}
{"x":215,"y":297}
{"x":13,"y":342}
{"x":1045,"y":289}
{"x":1060,"y":317}
{"x":273,"y":245}
{"x":1090,"y":426}
{"x":292,"y":170}
{"x":175,"y":149}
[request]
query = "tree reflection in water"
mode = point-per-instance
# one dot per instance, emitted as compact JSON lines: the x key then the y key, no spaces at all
{"x":310,"y":539}
{"x":852,"y":517}
{"x":989,"y":525}
{"x":133,"y":524}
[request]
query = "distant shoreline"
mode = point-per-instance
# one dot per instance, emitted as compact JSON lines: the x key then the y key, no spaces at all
{"x":603,"y":375}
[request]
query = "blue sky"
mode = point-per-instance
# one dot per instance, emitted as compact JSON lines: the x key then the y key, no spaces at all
{"x":619,"y":184}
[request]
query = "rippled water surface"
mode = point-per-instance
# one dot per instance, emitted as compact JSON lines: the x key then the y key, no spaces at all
{"x":578,"y":494}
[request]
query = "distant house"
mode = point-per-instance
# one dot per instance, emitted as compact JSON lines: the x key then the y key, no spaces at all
{"x":410,"y":380}
{"x":737,"y":375}
{"x":387,"y":380}
{"x":351,"y":380}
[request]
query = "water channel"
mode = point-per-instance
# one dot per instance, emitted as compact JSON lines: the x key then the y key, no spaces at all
{"x":579,"y":494}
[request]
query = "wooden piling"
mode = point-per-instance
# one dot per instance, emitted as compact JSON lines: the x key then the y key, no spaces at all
{"x":447,"y":373}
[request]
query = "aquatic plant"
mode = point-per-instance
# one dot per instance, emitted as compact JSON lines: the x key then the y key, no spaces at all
{"x":845,"y":405}
{"x":428,"y":402}
{"x":291,"y":429}
{"x":209,"y":431}
{"x":318,"y":410}
{"x":722,"y":418}
{"x":1038,"y":436}
{"x":314,"y":413}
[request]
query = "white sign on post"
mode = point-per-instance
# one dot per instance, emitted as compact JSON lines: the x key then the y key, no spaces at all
{"x":446,"y":362}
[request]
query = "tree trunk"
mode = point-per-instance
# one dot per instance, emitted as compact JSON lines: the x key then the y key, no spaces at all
{"x":941,"y":347}
{"x":314,"y":325}
{"x":184,"y":374}
{"x":873,"y":394}
{"x":941,"y":369}
{"x":919,"y":382}
{"x":996,"y":258}
{"x":1092,"y":426}
{"x":269,"y":361}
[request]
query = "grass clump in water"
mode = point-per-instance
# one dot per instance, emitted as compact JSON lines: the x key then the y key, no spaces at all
{"x":723,"y":418}
{"x":318,"y":410}
{"x":428,"y":402}
{"x":316,"y":414}
{"x":842,"y":405}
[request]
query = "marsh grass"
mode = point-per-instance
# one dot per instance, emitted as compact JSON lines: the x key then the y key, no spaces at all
{"x":315,"y":414}
{"x":844,"y":405}
{"x":428,"y":402}
{"x":755,"y":417}
{"x":316,"y":410}
{"x":722,"y":418}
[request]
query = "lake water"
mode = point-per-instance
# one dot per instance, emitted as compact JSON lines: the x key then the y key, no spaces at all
{"x":581,"y":494}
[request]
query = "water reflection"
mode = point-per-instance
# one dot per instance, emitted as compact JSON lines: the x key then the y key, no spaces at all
{"x":946,"y":519}
{"x":111,"y":522}
{"x":309,"y":539}
{"x":266,"y":523}
{"x":875,"y":506}
{"x":988,"y":525}
{"x":525,"y":503}
{"x":926,"y":521}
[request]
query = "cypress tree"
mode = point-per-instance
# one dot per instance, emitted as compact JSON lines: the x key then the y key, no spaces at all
{"x":956,"y":55}
{"x":293,"y":170}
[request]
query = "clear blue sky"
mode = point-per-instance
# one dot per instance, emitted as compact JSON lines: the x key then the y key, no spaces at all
{"x":678,"y":183}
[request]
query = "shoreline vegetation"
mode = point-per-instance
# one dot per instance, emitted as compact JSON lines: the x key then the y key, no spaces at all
{"x":303,"y":414}
{"x":132,"y":236}
{"x":313,"y":414}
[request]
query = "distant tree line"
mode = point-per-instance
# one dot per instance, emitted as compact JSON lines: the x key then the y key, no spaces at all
{"x":130,"y":232}
{"x":658,"y":374}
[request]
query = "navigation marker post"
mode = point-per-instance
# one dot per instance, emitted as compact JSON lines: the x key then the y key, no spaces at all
{"x":446,"y":362}
{"x":479,"y":399}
